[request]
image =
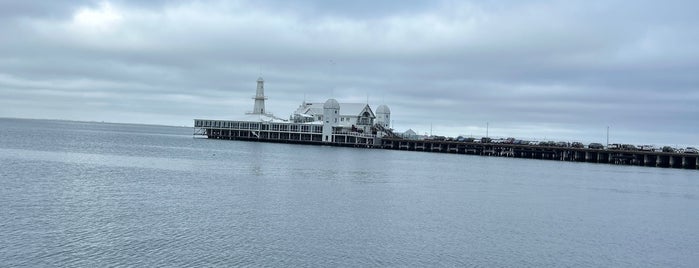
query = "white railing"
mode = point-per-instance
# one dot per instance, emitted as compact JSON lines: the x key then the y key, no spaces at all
{"x":355,"y":134}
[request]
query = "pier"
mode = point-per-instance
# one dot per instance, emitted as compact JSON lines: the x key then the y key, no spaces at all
{"x":313,"y":135}
{"x":356,"y":125}
{"x":300,"y":133}
{"x":587,"y":155}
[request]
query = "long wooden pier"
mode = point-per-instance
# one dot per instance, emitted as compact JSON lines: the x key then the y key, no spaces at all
{"x":606,"y":156}
{"x":312,"y":134}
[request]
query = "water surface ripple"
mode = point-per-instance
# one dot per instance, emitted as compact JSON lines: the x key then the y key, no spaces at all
{"x":78,"y":194}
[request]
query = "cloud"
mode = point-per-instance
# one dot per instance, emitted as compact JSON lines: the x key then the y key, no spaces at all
{"x":559,"y":69}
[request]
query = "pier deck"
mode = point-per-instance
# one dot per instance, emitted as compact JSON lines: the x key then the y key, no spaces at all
{"x":280,"y":133}
{"x":312,"y":134}
{"x":619,"y":157}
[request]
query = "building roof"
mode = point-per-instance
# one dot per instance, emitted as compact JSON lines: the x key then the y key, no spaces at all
{"x":310,"y":108}
{"x":259,"y":118}
{"x":352,"y":109}
{"x":383,"y":109}
{"x":346,"y":109}
{"x":331,"y":104}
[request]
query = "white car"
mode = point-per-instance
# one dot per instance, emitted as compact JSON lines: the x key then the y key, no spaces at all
{"x":648,"y":148}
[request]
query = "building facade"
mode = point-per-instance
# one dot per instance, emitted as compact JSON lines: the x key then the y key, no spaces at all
{"x":329,"y":122}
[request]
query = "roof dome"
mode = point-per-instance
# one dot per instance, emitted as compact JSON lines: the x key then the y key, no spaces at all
{"x":260,"y":79}
{"x":383,"y":109}
{"x":331,"y":104}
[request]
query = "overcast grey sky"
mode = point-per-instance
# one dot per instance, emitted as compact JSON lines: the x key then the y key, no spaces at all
{"x":554,"y":70}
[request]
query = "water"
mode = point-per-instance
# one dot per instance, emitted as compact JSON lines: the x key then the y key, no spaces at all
{"x":78,"y":194}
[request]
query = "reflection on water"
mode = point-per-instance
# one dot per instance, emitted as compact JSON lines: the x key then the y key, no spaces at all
{"x":91,"y":194}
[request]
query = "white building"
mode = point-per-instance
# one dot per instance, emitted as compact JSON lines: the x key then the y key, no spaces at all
{"x":345,"y":116}
{"x":326,"y":122}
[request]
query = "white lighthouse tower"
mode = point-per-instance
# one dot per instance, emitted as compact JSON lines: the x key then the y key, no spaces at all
{"x":260,"y":97}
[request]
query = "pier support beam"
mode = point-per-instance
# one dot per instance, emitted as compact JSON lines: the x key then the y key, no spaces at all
{"x":672,"y":161}
{"x":646,"y":160}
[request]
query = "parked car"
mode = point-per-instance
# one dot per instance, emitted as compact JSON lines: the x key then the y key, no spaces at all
{"x":594,"y":145}
{"x":646,"y":148}
{"x":486,"y":140}
{"x":436,"y":138}
{"x":562,"y":144}
{"x":691,"y":150}
{"x":577,"y":145}
{"x":628,"y":147}
{"x":547,"y":143}
{"x":668,"y":149}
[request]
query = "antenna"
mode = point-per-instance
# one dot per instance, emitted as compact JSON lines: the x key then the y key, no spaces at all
{"x":332,"y":74}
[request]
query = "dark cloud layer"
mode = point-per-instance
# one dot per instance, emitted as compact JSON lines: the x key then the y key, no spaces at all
{"x":537,"y":69}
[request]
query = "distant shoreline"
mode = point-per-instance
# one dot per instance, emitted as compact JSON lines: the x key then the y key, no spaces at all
{"x":98,"y":122}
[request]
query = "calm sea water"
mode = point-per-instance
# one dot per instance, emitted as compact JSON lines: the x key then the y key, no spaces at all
{"x":76,"y":194}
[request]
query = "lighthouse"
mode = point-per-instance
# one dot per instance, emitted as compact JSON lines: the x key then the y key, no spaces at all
{"x":260,"y":97}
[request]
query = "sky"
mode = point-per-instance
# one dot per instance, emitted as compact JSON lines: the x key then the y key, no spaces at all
{"x":539,"y":70}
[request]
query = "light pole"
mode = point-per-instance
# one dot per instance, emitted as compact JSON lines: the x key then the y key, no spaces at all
{"x":607,"y":136}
